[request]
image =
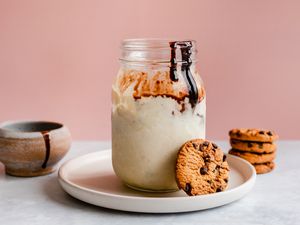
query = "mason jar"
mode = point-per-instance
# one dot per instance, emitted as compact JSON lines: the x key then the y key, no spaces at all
{"x":158,"y":103}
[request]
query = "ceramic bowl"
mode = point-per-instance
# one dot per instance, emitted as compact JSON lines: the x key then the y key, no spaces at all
{"x":32,"y":148}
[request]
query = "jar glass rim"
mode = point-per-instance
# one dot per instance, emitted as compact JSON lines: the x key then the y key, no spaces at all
{"x":155,"y":50}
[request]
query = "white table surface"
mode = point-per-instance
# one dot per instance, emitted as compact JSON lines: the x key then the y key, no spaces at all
{"x":274,"y":200}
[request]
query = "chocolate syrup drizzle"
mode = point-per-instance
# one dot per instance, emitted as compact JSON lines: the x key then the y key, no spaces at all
{"x":186,"y":52}
{"x":46,"y":137}
{"x":173,"y":61}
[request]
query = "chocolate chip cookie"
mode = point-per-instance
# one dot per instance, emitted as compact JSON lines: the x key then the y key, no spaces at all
{"x":201,"y":168}
{"x":250,"y":146}
{"x":253,"y":157}
{"x":264,"y":167}
{"x":253,"y":135}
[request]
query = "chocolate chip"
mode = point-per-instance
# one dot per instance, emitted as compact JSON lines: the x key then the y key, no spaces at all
{"x":195,"y":145}
{"x":218,"y":190}
{"x":214,"y":145}
{"x":250,"y":145}
{"x":173,"y":113}
{"x":270,"y":133}
{"x":182,"y":107}
{"x":203,"y":170}
{"x":261,"y":132}
{"x":226,"y":180}
{"x":188,"y":188}
{"x":201,"y":116}
{"x":205,"y":143}
{"x":208,"y":181}
{"x":216,"y":168}
{"x":224,"y":158}
{"x":206,"y":159}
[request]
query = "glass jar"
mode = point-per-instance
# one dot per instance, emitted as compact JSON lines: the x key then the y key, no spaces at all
{"x":158,"y":104}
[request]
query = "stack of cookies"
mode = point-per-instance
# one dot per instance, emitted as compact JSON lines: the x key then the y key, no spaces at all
{"x":256,"y":146}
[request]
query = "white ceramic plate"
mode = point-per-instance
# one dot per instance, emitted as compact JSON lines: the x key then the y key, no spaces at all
{"x":91,"y":179}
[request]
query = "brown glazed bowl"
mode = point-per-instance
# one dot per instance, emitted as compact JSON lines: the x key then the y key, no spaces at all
{"x":32,"y":148}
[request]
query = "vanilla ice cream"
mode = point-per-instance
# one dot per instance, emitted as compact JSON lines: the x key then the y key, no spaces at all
{"x":152,"y":118}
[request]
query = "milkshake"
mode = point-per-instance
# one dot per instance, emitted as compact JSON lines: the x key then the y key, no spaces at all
{"x":159,"y":103}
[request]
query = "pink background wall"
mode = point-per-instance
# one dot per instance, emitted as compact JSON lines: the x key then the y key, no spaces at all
{"x":58,"y":59}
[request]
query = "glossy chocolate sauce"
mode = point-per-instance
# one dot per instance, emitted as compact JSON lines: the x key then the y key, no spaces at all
{"x":173,"y":62}
{"x":46,"y":137}
{"x":186,"y":52}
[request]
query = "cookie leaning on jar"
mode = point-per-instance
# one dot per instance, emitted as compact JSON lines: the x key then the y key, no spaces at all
{"x":256,"y":146}
{"x":201,"y":168}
